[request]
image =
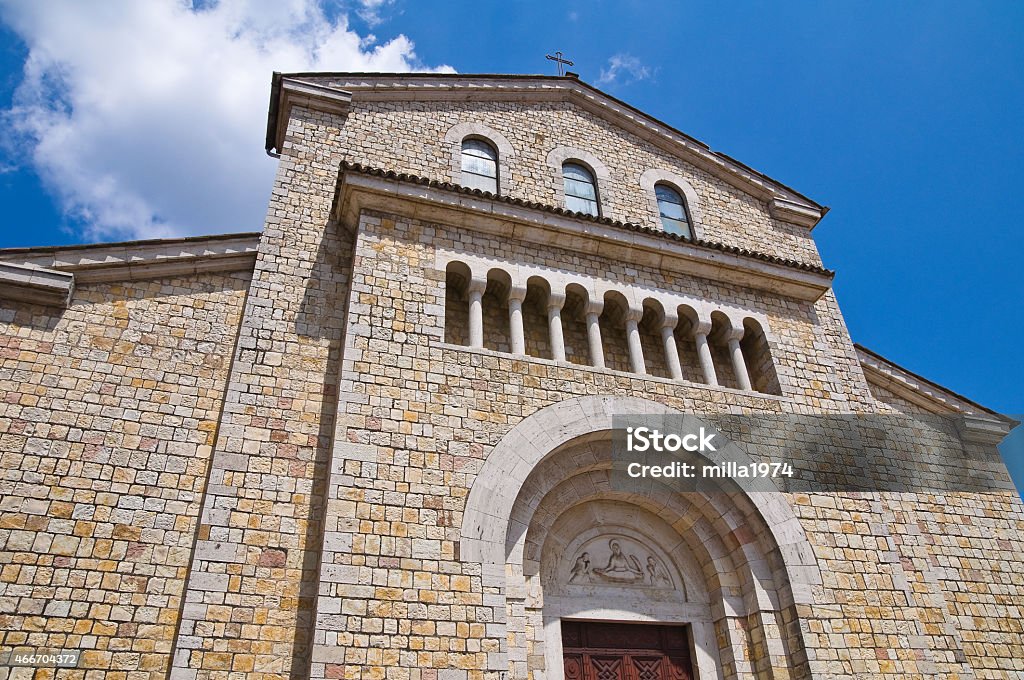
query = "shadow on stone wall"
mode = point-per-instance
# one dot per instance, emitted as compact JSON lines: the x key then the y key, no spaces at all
{"x":322,"y":315}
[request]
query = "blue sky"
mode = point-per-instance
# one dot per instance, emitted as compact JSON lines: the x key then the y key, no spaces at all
{"x":145,"y":119}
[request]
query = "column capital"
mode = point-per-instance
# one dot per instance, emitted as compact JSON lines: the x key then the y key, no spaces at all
{"x":702,"y":327}
{"x":593,"y":307}
{"x":634,"y":314}
{"x":555,"y":300}
{"x":668,"y":321}
{"x":517,"y":293}
{"x":476,"y":285}
{"x":733,"y":333}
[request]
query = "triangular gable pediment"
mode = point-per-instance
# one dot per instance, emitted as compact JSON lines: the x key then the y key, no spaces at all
{"x":335,"y":91}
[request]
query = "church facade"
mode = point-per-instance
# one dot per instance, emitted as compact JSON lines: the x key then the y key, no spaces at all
{"x":376,"y":439}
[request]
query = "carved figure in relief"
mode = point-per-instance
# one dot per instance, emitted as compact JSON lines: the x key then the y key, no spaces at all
{"x":581,"y":570}
{"x":659,"y":578}
{"x":620,"y":568}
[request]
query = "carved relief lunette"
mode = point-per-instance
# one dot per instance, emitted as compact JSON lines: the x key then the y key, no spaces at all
{"x":621,"y":564}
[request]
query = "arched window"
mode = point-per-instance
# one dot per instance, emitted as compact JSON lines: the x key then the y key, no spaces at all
{"x":580,"y":189}
{"x":479,"y":165}
{"x":675,"y":218}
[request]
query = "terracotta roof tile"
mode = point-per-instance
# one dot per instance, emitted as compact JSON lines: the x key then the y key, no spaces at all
{"x":348,"y":166}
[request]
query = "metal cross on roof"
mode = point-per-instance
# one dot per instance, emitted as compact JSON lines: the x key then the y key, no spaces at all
{"x":562,"y":63}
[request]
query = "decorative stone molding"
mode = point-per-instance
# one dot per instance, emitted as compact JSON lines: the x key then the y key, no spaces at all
{"x":457,"y":133}
{"x":141,"y":260}
{"x":287,"y":93}
{"x":984,"y":431}
{"x":562,"y":154}
{"x":36,"y":285}
{"x":913,"y":388}
{"x":794,"y":213}
{"x":976,"y":425}
{"x":653,"y":176}
{"x":366,"y":189}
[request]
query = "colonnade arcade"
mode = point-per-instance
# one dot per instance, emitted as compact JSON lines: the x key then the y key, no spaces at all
{"x":552,"y":314}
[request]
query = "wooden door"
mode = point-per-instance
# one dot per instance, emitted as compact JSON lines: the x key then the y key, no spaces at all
{"x":625,"y":651}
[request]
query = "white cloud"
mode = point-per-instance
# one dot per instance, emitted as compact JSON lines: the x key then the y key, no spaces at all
{"x":370,"y":10}
{"x":623,"y":68}
{"x":147,"y":119}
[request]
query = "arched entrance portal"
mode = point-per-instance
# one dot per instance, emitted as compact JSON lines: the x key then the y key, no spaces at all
{"x":558,"y":543}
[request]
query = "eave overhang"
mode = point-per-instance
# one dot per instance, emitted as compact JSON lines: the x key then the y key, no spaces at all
{"x":361,"y":188}
{"x":978,"y":425}
{"x":336,"y":91}
{"x":48,"y":275}
{"x":36,"y":285}
{"x":286,"y":92}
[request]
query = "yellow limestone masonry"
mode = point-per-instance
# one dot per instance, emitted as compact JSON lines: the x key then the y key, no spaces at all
{"x":300,"y":468}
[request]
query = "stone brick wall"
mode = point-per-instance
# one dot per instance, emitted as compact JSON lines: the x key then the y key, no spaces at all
{"x":574,"y":329}
{"x":408,"y":447}
{"x":108,"y":412}
{"x":890,"y":398}
{"x":379,"y":134}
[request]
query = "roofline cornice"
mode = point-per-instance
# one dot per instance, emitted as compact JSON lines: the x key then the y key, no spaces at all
{"x":48,"y":275}
{"x":922,"y":392}
{"x":287,"y":92}
{"x":434,"y":87}
{"x":36,"y":285}
{"x":362,"y":188}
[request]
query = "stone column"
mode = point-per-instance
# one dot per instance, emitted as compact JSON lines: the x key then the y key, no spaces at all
{"x":516,"y":295}
{"x":593,"y":315}
{"x":636,"y":350}
{"x":555,"y":302}
{"x":707,"y":366}
{"x":739,"y":365}
{"x":668,"y":341}
{"x":476,"y":312}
